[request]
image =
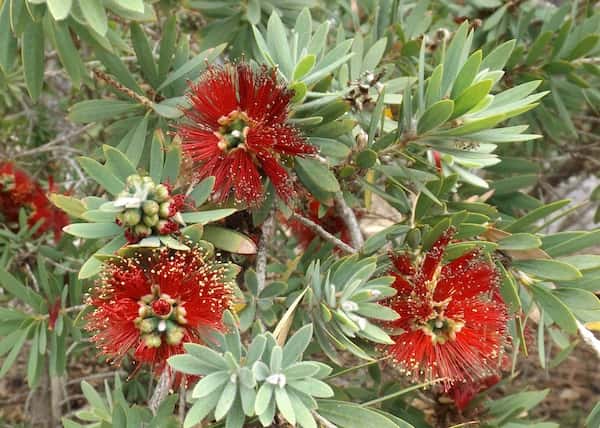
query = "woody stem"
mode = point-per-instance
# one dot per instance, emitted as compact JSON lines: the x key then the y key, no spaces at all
{"x":162,"y":389}
{"x":346,"y":213}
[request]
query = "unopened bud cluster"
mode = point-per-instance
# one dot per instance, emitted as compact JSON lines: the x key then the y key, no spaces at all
{"x":160,"y":319}
{"x":148,"y":208}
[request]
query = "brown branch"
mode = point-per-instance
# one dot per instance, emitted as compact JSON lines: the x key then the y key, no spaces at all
{"x":268,"y":229}
{"x":162,"y":389}
{"x":324,"y":234}
{"x":346,"y":213}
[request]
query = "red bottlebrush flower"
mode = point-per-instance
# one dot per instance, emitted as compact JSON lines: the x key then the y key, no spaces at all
{"x":237,"y":131}
{"x":18,"y":190}
{"x":452,"y":323}
{"x":463,"y":393}
{"x":330,"y":221}
{"x":154,"y":302}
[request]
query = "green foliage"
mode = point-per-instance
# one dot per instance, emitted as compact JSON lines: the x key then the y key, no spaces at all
{"x":444,"y":122}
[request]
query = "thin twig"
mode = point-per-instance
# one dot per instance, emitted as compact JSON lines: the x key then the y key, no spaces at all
{"x":324,"y":234}
{"x":122,"y":88}
{"x":346,"y":213}
{"x":56,"y":143}
{"x":78,"y":380}
{"x":162,"y":389}
{"x":268,"y":228}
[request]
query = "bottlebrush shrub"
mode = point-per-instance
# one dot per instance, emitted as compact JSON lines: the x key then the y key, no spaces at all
{"x":314,"y":214}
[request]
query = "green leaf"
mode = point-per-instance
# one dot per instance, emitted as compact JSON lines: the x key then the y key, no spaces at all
{"x":593,"y":419}
{"x":93,"y":230}
{"x":470,"y":97}
{"x":200,"y":410}
{"x":253,"y":12}
{"x":194,"y":65}
{"x":435,"y":116}
{"x":263,"y":398}
{"x":284,"y":405}
{"x":143,"y":51}
{"x":99,"y":110}
{"x":583,"y":262}
{"x":17,"y":289}
{"x":172,"y":164}
{"x":519,"y":241}
{"x":210,"y":383}
{"x":135,"y":147}
{"x":497,"y":58}
{"x":204,"y":217}
{"x":548,"y":269}
{"x":95,"y":15}
{"x":32,"y":55}
{"x":304,"y":66}
{"x":537,"y":214}
{"x":169,"y":108}
{"x":14,"y":352}
{"x":314,"y":173}
{"x":374,"y":55}
{"x":229,"y":240}
{"x":455,"y":55}
{"x":351,"y":415}
{"x":101,"y":175}
{"x":296,"y":345}
{"x":584,"y":46}
{"x":118,"y":163}
{"x":73,"y":207}
{"x":156,"y":157}
{"x":434,"y":86}
{"x":278,"y":43}
{"x":8,"y":43}
{"x":167,"y":48}
{"x":537,"y":48}
{"x":202,"y":191}
{"x":59,"y":8}
{"x":509,"y":289}
{"x":554,"y":307}
{"x":376,"y":118}
{"x":92,"y":396}
{"x":467,"y":74}
{"x":60,"y":37}
{"x":93,"y":265}
{"x":584,"y":304}
{"x":510,"y":185}
{"x":585,"y":240}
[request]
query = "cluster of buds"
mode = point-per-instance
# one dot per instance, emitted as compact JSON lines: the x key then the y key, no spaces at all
{"x":148,"y":208}
{"x":359,"y":96}
{"x":160,"y":318}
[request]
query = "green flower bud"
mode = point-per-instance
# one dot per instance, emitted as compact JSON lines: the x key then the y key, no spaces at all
{"x":152,"y":340}
{"x":144,"y":311}
{"x":134,"y":180}
{"x":146,"y":326}
{"x":142,"y":230}
{"x":132,"y":217}
{"x":161,"y":193}
{"x":180,"y":314}
{"x":175,"y":336}
{"x":413,"y":238}
{"x":150,"y":207}
{"x":151,"y":220}
{"x":164,"y":210}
